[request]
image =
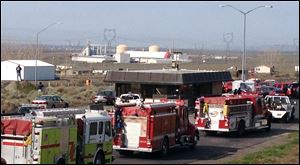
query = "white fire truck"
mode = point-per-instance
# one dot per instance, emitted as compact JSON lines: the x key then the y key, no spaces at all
{"x":57,"y":136}
{"x":232,"y":113}
{"x":152,"y":127}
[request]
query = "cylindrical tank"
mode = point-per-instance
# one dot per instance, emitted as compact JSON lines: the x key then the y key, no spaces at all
{"x":154,"y":48}
{"x":121,"y":48}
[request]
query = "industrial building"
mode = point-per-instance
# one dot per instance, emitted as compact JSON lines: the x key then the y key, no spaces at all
{"x":94,"y":53}
{"x":186,"y":84}
{"x":45,"y":71}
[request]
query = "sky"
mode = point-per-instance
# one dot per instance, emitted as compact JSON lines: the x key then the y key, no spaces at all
{"x":178,"y":24}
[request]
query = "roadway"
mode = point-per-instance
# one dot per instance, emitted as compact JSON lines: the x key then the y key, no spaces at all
{"x":212,"y":147}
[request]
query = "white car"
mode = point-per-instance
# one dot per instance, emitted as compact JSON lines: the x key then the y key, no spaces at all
{"x":130,"y":98}
{"x":281,"y":107}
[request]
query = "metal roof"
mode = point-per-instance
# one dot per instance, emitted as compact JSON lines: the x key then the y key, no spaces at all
{"x":171,"y":77}
{"x":29,"y":62}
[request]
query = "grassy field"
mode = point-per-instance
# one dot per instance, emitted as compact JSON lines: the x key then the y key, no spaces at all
{"x":278,"y":154}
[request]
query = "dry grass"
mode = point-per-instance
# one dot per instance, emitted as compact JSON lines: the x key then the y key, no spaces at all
{"x":12,"y":96}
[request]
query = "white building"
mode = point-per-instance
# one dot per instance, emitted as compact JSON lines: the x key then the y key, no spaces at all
{"x":262,"y":69}
{"x":45,"y":71}
{"x":93,"y":59}
{"x":122,"y":58}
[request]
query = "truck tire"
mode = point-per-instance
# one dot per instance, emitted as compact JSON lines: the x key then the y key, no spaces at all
{"x":164,"y":147}
{"x":269,"y":121}
{"x":99,"y":158}
{"x":61,"y":161}
{"x":285,"y":118}
{"x":53,"y":106}
{"x":3,"y":161}
{"x":241,"y":128}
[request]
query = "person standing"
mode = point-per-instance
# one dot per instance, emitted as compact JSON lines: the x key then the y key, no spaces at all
{"x":40,"y":87}
{"x":18,"y":69}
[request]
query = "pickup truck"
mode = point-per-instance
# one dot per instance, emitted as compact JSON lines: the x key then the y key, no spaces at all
{"x":281,"y":107}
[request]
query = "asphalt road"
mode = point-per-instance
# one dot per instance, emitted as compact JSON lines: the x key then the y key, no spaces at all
{"x":212,"y":147}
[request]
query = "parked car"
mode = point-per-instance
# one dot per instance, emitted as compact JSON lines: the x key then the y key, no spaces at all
{"x":51,"y":101}
{"x":281,"y":107}
{"x":130,"y":98}
{"x":105,"y":96}
{"x":25,"y":108}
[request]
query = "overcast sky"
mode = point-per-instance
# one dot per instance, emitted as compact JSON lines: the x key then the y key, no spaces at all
{"x":189,"y":24}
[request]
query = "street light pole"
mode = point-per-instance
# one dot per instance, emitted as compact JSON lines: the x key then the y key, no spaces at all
{"x":37,"y":49}
{"x":245,"y":17}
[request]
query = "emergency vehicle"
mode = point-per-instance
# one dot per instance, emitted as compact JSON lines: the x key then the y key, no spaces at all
{"x":57,"y":136}
{"x":152,"y":127}
{"x":231,"y":113}
{"x":281,"y":107}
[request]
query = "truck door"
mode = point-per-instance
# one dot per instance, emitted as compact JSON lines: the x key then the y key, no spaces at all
{"x":94,"y":132}
{"x":107,"y":131}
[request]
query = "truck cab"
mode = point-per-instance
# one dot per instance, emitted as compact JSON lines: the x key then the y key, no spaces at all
{"x":94,"y":134}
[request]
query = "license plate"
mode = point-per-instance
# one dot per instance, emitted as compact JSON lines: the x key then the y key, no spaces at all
{"x":264,"y":122}
{"x":278,"y":115}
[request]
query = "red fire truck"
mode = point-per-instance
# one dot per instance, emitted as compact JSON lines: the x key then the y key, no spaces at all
{"x":152,"y":127}
{"x":231,"y":113}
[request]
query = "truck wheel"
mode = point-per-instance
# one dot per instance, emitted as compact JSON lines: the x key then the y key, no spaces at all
{"x":61,"y":161}
{"x":164,"y":148}
{"x":241,"y":128}
{"x":269,"y":124}
{"x":3,"y":161}
{"x":99,"y":158}
{"x":53,"y":106}
{"x":285,"y":118}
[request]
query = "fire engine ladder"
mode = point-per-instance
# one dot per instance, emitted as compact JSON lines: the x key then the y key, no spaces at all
{"x":58,"y":112}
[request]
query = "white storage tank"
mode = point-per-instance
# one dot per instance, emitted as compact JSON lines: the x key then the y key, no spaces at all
{"x":121,"y":49}
{"x":154,"y":48}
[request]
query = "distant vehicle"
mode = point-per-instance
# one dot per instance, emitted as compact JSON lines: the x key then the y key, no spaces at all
{"x":246,"y":86}
{"x":105,"y":96}
{"x":269,"y":82}
{"x":283,"y":86}
{"x":266,"y":90}
{"x":281,"y":107}
{"x":25,"y":108}
{"x":129,"y":98}
{"x":293,"y":90}
{"x":51,"y":101}
{"x":227,"y":86}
